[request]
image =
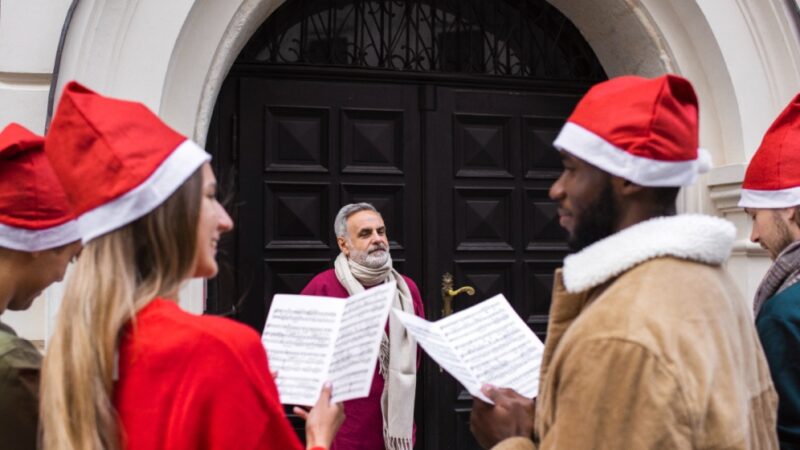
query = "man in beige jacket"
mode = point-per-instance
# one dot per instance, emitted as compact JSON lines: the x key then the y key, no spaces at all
{"x":650,"y":345}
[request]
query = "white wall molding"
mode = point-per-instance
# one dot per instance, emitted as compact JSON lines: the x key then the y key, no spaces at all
{"x":743,"y":59}
{"x":122,"y":48}
{"x":209,"y":43}
{"x":748,"y":261}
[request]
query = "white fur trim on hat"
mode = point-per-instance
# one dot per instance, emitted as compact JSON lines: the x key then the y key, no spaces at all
{"x":600,"y":153}
{"x":169,"y":176}
{"x":25,"y":240}
{"x":692,"y":237}
{"x":783,"y":198}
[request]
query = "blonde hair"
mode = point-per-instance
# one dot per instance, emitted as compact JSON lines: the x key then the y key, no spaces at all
{"x":116,"y":275}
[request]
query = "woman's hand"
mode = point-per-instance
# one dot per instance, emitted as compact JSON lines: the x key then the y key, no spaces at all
{"x":323,"y":421}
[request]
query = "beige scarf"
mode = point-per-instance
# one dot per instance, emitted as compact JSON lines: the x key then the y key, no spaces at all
{"x":398,"y":355}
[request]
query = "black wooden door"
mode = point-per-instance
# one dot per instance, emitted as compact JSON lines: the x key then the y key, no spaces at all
{"x":442,"y":114}
{"x":460,"y":175}
{"x":305,"y":149}
{"x":489,"y":221}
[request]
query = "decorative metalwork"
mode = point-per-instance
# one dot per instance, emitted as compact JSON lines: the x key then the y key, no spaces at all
{"x":522,"y":38}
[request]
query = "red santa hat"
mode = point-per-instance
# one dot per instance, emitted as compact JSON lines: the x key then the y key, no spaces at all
{"x":643,"y":130}
{"x":34,"y":211}
{"x":772,"y":179}
{"x":116,"y":159}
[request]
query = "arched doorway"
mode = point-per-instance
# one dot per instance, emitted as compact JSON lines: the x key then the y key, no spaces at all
{"x":439,"y":112}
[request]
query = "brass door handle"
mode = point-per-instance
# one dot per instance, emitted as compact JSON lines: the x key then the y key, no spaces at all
{"x":448,"y":293}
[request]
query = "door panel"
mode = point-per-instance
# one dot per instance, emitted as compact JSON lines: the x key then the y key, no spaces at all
{"x":313,"y":146}
{"x":490,"y":222}
{"x":461,"y":177}
{"x":441,"y":114}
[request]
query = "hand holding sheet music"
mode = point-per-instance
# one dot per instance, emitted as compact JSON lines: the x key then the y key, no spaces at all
{"x":486,"y":343}
{"x":313,"y":339}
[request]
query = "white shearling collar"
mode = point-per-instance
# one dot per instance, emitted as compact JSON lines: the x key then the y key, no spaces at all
{"x":694,"y":237}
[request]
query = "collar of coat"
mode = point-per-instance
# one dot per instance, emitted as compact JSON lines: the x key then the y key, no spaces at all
{"x":692,"y":237}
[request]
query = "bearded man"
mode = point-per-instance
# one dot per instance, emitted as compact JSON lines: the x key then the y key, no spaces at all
{"x":384,"y":419}
{"x":649,"y":344}
{"x":771,"y":196}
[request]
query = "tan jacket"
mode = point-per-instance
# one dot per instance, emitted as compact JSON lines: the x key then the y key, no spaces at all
{"x":651,"y":346}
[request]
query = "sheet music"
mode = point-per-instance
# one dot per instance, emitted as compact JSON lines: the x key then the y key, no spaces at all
{"x":430,"y":337}
{"x":358,"y":344}
{"x":310,"y":340}
{"x":486,"y":343}
{"x":299,"y":337}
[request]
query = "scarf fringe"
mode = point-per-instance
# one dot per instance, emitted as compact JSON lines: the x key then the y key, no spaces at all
{"x":397,"y":443}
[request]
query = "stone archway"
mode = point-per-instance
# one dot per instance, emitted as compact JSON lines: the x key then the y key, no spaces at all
{"x":175,"y":59}
{"x":744,"y":60}
{"x":648,"y":38}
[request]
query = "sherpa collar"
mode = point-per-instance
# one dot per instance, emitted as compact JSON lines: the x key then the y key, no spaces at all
{"x":694,"y":237}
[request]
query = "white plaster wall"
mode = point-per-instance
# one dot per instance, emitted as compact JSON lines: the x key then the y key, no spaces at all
{"x":743,"y":58}
{"x":146,"y":49}
{"x":29,"y":33}
{"x":756,"y":72}
{"x":122,"y":48}
{"x":170,"y":56}
{"x":210,"y":41}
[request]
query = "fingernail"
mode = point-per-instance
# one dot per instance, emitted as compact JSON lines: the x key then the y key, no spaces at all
{"x":328,"y":385}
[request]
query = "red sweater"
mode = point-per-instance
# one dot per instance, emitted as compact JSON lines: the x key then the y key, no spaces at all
{"x":196,"y":382}
{"x":363,"y":423}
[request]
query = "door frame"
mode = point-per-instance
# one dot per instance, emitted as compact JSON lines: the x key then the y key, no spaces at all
{"x":429,"y":415}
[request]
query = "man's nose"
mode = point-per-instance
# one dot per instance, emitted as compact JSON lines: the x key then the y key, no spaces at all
{"x":754,"y":236}
{"x":557,"y":189}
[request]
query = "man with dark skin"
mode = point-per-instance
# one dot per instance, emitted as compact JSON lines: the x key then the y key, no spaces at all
{"x":588,"y":199}
{"x":643,"y":316}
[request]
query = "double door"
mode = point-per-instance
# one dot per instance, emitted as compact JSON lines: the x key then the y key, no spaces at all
{"x":460,"y":175}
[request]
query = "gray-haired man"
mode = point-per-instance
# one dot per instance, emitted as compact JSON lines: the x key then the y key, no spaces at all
{"x":384,"y":419}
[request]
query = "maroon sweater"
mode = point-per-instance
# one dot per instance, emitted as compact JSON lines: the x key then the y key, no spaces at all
{"x":363,"y":424}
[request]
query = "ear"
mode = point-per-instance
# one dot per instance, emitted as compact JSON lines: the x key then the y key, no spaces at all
{"x":792,"y":216}
{"x":343,"y":245}
{"x":625,"y":188}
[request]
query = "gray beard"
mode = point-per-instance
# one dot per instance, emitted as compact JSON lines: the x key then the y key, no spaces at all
{"x":375,"y":260}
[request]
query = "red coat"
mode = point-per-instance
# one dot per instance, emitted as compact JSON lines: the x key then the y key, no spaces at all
{"x":197,"y":382}
{"x":363,"y":424}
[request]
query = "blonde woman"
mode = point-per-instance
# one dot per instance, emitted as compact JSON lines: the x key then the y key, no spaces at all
{"x":38,"y":239}
{"x":126,"y":367}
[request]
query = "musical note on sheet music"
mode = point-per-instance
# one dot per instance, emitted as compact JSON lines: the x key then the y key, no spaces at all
{"x":486,"y":343}
{"x":312,"y":339}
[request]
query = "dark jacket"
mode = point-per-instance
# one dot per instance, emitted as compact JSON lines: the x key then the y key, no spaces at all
{"x":19,"y":391}
{"x":778,"y":325}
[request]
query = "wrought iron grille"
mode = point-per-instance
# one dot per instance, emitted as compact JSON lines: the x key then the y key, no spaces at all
{"x":522,"y":38}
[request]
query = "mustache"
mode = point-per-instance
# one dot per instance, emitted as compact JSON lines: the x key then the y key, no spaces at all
{"x":377,"y":247}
